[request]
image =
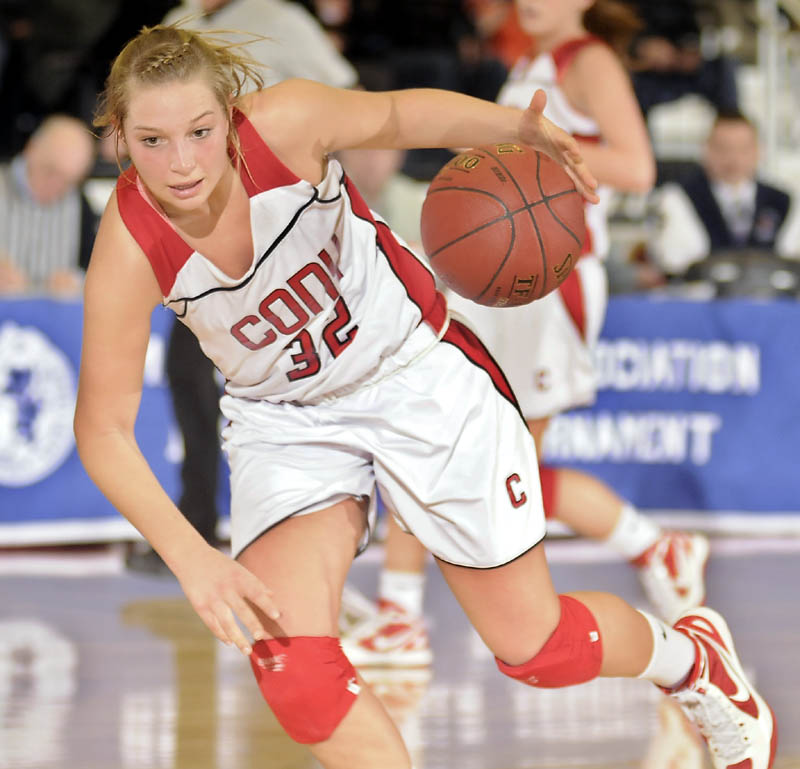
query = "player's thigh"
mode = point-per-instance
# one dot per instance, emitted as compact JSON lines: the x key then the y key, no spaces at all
{"x":304,"y":561}
{"x":453,"y":457}
{"x":514,"y":607}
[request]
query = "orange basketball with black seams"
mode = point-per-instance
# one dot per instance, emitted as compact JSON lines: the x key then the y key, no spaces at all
{"x":502,"y":224}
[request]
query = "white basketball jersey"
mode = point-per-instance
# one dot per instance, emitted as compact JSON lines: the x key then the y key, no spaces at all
{"x":331,"y":292}
{"x":546,"y":72}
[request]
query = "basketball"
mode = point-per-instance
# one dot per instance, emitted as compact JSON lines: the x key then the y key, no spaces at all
{"x":502,"y":225}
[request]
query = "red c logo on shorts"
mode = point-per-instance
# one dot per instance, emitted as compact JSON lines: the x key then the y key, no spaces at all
{"x":516,"y":501}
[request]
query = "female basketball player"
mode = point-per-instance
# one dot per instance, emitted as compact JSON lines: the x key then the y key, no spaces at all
{"x":342,"y":373}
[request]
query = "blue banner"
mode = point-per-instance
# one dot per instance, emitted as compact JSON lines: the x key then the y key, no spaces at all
{"x":698,"y":410}
{"x":45,"y":494}
{"x":698,"y":406}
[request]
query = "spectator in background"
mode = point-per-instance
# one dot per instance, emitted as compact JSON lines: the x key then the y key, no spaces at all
{"x":667,"y":62}
{"x":282,"y":36}
{"x":287,"y":41}
{"x":46,"y":225}
{"x":724,"y":207}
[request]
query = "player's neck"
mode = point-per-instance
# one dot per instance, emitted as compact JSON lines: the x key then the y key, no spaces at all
{"x":549,"y":42}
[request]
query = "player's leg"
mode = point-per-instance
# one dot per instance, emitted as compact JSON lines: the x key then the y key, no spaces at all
{"x":483,"y":509}
{"x":518,"y":626}
{"x":670,"y":564}
{"x":394,"y":633}
{"x":308,"y":682}
{"x":546,"y":640}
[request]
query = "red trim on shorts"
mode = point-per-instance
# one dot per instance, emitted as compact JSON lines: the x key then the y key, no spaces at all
{"x":417,"y":279}
{"x":548,"y":479}
{"x":572,"y":293}
{"x":166,"y":251}
{"x":564,"y":54}
{"x":464,"y":339}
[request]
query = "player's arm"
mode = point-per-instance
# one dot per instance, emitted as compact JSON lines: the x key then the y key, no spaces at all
{"x":306,"y":121}
{"x":120,"y":294}
{"x":599,"y":86}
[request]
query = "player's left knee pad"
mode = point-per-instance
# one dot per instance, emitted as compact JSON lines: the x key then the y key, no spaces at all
{"x":547,"y":480}
{"x":572,"y":655}
{"x":308,"y":683}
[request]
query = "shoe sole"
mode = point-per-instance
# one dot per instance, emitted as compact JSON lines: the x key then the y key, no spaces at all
{"x":718,"y":623}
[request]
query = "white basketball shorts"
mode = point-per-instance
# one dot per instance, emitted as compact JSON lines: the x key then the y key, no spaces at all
{"x":546,"y":348}
{"x":442,"y":438}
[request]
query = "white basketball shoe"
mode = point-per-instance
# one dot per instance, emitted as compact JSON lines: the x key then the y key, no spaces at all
{"x":672,"y":573}
{"x":390,"y":637}
{"x":737,"y":724}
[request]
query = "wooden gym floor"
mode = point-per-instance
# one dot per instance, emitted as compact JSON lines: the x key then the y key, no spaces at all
{"x":103,"y":669}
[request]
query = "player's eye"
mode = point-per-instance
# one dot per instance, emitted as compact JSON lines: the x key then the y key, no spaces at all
{"x":150,"y":141}
{"x":201,"y":133}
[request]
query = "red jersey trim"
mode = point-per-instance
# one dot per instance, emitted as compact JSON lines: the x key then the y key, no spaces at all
{"x":415,"y":277}
{"x":564,"y":54}
{"x":572,"y":294}
{"x":261,"y":170}
{"x":166,"y":251}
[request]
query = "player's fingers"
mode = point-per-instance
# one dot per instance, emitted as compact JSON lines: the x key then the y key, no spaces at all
{"x":249,"y":619}
{"x":585,"y":189}
{"x":231,"y":629}
{"x":213,"y":625}
{"x":261,"y":598}
{"x":538,"y":101}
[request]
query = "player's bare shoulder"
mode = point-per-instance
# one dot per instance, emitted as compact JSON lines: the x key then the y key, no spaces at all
{"x":290,"y":117}
{"x":595,"y":70}
{"x":289,"y":108}
{"x":594,"y":61}
{"x":117,"y":261}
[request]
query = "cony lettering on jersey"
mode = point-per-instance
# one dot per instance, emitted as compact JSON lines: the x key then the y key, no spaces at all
{"x":546,"y":71}
{"x":331,"y":291}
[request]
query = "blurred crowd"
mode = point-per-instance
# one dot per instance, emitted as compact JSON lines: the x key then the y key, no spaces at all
{"x":55,"y":54}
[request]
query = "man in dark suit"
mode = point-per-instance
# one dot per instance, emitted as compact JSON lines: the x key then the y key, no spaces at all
{"x":724,"y":207}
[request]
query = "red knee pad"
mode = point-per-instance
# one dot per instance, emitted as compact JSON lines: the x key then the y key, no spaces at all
{"x":572,"y":655}
{"x":308,"y":683}
{"x":547,"y":480}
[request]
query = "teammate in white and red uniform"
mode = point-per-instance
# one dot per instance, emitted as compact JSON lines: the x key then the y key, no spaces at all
{"x":551,"y":367}
{"x":343,"y":375}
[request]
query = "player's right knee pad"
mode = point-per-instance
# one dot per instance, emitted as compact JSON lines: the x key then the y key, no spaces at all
{"x":572,"y":655}
{"x":308,"y":683}
{"x":547,"y":479}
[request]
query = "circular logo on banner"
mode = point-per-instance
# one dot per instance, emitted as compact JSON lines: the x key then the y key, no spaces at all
{"x":37,"y":402}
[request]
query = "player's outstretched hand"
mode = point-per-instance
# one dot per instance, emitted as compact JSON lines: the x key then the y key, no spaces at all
{"x":220,"y":590}
{"x":535,"y":129}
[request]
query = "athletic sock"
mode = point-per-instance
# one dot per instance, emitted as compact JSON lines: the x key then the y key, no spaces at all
{"x":673,"y":655}
{"x":406,"y":589}
{"x":633,"y":533}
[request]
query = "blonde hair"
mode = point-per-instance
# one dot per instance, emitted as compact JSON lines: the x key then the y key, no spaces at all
{"x":165,"y":54}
